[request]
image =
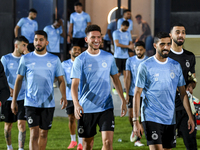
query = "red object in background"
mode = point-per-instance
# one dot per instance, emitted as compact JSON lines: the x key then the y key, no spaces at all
{"x":197,"y":107}
{"x":0,"y":104}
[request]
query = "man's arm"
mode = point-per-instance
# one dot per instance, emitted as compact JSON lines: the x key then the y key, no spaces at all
{"x":62,"y":87}
{"x":186,"y":104}
{"x":16,"y":30}
{"x":70,"y":30}
{"x":127,"y":84}
{"x":130,"y":46}
{"x":118,"y":87}
{"x":136,"y":109}
{"x":17,"y":87}
{"x":110,"y":35}
{"x":74,"y":92}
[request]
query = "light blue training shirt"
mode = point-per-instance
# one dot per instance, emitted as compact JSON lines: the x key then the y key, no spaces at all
{"x":119,"y":23}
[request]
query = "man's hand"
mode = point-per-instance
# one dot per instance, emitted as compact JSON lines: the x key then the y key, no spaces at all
{"x":191,"y":125}
{"x":131,"y":46}
{"x":137,"y":129}
{"x":78,"y":111}
{"x":63,"y":102}
{"x":11,"y":92}
{"x":14,"y":107}
{"x":123,"y":109}
{"x":127,"y":98}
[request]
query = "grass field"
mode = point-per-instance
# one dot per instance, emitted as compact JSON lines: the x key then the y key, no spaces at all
{"x":59,"y":137}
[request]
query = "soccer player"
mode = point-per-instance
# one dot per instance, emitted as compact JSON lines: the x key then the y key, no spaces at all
{"x":54,"y":32}
{"x":92,"y":70}
{"x":28,"y":26}
{"x":159,"y":76}
{"x":79,"y":20}
{"x":40,"y":69}
{"x":67,"y":67}
{"x":11,"y":63}
{"x":132,"y":64}
{"x":127,"y":17}
{"x":123,"y":42}
{"x":187,"y":62}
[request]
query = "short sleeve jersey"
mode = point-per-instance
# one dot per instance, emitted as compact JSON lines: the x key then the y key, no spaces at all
{"x":123,"y":38}
{"x":11,"y":63}
{"x":94,"y":73}
{"x":132,"y":64}
{"x":28,"y":27}
{"x":53,"y":38}
{"x":67,"y":67}
{"x":40,"y":72}
{"x":119,"y":23}
{"x":112,"y":27}
{"x":159,"y":81}
{"x":187,"y":62}
{"x":79,"y":21}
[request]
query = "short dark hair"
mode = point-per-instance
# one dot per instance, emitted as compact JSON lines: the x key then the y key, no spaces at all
{"x":140,"y":43}
{"x":92,"y":27}
{"x":125,"y":23}
{"x":21,"y":39}
{"x":33,"y":10}
{"x":176,"y":24}
{"x":126,"y":10}
{"x":41,"y":32}
{"x":160,"y":35}
{"x":75,"y":44}
{"x":138,"y":16}
{"x":78,"y":4}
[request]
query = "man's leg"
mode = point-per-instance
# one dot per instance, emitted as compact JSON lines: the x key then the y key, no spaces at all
{"x":88,"y":143}
{"x":72,"y":129}
{"x":7,"y":134}
{"x":34,"y":136}
{"x":22,"y":133}
{"x":107,"y":140}
{"x":156,"y":147}
{"x":42,"y":141}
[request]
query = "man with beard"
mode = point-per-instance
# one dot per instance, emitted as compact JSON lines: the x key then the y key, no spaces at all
{"x":187,"y":62}
{"x":132,"y":64}
{"x":28,"y":26}
{"x":11,"y":63}
{"x":123,"y":42}
{"x":40,"y":69}
{"x":93,"y":69}
{"x":67,"y":67}
{"x":158,"y":77}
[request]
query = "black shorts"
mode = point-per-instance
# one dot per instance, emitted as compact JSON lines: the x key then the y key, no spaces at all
{"x":9,"y":116}
{"x":88,"y":122}
{"x":160,"y":134}
{"x":107,"y":46}
{"x":130,"y":103}
{"x":121,"y":64}
{"x":80,"y":42}
{"x":70,"y":107}
{"x":41,"y":117}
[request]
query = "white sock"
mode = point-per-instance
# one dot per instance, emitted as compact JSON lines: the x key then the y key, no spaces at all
{"x":79,"y":140}
{"x":73,"y":137}
{"x":9,"y":146}
{"x":20,"y":149}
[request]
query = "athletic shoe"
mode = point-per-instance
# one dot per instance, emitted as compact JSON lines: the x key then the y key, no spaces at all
{"x":72,"y":144}
{"x":138,"y":143}
{"x":79,"y":147}
{"x":114,"y":91}
{"x":133,"y":137}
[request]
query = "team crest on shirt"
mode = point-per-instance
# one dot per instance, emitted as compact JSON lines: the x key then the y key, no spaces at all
{"x":154,"y":135}
{"x":172,"y":75}
{"x":11,"y":65}
{"x":104,"y":64}
{"x":156,"y":76}
{"x":49,"y":64}
{"x":187,"y":63}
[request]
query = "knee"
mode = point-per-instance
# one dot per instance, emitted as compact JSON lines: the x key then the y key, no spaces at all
{"x":22,"y":126}
{"x":8,"y":126}
{"x":43,"y":134}
{"x":71,"y":119}
{"x":107,"y":142}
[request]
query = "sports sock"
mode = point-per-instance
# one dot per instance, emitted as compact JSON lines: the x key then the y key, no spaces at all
{"x":79,"y":140}
{"x":73,"y":137}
